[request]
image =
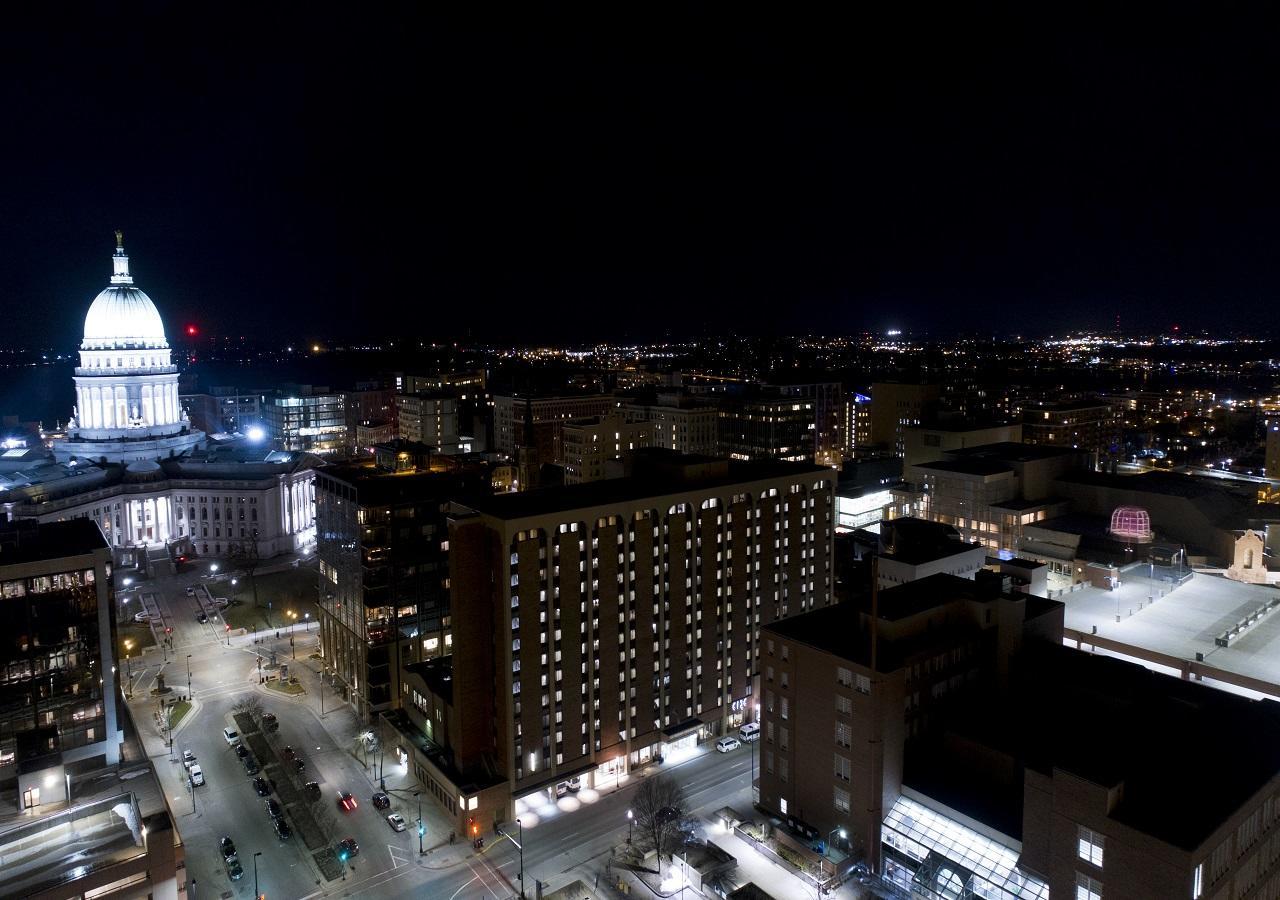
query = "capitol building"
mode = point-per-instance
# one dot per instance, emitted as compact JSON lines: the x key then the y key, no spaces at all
{"x":131,"y":461}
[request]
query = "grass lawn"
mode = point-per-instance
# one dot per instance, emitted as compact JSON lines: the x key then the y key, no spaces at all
{"x":279,"y":593}
{"x":177,"y":711}
{"x":286,"y":687}
{"x":138,"y":636}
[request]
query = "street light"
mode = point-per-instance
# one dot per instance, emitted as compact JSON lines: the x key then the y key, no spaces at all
{"x":213,"y":568}
{"x":630,"y":819}
{"x":520,"y":846}
{"x":418,"y":794}
{"x":843,"y":835}
{"x":256,"y":895}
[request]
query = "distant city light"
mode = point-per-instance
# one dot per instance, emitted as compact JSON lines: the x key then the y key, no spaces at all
{"x":255,"y":433}
{"x":192,"y":331}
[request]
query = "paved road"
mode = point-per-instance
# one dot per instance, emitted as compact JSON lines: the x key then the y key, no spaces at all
{"x":388,"y":864}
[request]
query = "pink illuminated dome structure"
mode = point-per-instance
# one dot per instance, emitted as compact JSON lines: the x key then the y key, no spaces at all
{"x":1131,"y":523}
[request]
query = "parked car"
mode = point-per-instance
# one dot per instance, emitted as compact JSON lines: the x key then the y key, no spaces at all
{"x":201,"y":617}
{"x":191,"y":592}
{"x":289,"y":753}
{"x":299,"y":764}
{"x":231,"y":735}
{"x":396,"y":821}
{"x":235,"y":871}
{"x":350,"y":846}
{"x":188,"y":759}
{"x":381,"y":800}
{"x":725,"y":744}
{"x":283,"y":831}
{"x":562,"y":788}
{"x":274,"y":809}
{"x":197,"y":776}
{"x":260,"y":785}
{"x":242,"y":751}
{"x":574,"y":784}
{"x":270,"y":719}
{"x":346,"y":802}
{"x":221,"y":602}
{"x":142,"y":618}
{"x":228,"y":848}
{"x":749,"y":732}
{"x":251,"y":766}
{"x":312,"y":790}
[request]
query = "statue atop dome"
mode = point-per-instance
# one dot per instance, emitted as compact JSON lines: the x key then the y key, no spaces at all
{"x":119,"y":239}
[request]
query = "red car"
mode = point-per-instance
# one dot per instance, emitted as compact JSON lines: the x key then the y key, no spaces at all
{"x":346,"y":802}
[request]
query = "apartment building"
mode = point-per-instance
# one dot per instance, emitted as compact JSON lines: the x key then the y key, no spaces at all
{"x":591,"y":443}
{"x":1089,"y":425}
{"x":429,"y":418}
{"x":613,"y":623}
{"x":829,"y":428}
{"x":383,"y":547}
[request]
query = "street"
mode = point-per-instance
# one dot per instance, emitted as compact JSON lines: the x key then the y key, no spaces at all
{"x":388,"y":864}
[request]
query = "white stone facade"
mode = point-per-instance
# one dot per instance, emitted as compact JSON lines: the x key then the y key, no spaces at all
{"x":127,"y":405}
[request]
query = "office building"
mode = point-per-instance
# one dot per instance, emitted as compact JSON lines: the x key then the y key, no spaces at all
{"x":912,"y":549}
{"x":931,"y":441}
{"x":988,"y":493}
{"x":591,"y":444}
{"x":1273,"y":450}
{"x":767,"y":427}
{"x":1088,"y":425}
{"x":429,"y":418}
{"x":368,"y":404}
{"x":223,"y":409}
{"x":895,"y":407}
{"x":59,"y":691}
{"x":680,"y":423}
{"x":383,"y":548}
{"x":516,"y":417}
{"x":857,"y":423}
{"x":309,"y":419}
{"x":601,"y":626}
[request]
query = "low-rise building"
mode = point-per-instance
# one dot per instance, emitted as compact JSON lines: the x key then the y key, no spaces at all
{"x":911,"y":549}
{"x":592,"y":443}
{"x":310,"y":419}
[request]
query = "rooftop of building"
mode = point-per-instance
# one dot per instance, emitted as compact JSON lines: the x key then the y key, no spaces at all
{"x":1065,"y":406}
{"x":27,"y":541}
{"x":1012,"y":452}
{"x":968,"y":466}
{"x":1188,"y":755}
{"x":841,"y":629}
{"x":656,"y":474}
{"x":436,"y":675}
{"x":915,"y":541}
{"x":381,"y":487}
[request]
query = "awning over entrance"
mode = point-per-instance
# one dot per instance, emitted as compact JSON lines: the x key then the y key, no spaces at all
{"x":687,"y":727}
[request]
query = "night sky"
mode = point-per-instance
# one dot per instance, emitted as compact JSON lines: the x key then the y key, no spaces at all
{"x":374,"y":169}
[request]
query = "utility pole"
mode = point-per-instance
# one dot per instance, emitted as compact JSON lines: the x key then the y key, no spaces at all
{"x":256,"y":895}
{"x":418,"y":794}
{"x":188,"y":677}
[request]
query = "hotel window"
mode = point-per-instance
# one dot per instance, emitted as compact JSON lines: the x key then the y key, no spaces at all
{"x":862,"y":684}
{"x":842,"y":767}
{"x":1088,"y":888}
{"x":844,"y":734}
{"x":844,"y":705}
{"x":1089,"y":846}
{"x":841,"y":798}
{"x":844,"y":678}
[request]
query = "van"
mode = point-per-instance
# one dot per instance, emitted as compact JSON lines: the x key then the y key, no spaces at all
{"x":725,"y":744}
{"x":750,"y":731}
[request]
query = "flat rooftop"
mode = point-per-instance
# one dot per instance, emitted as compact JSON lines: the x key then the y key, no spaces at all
{"x":1184,"y":622}
{"x":1013,"y":451}
{"x":25,"y":542}
{"x":974,"y":466}
{"x":714,"y":474}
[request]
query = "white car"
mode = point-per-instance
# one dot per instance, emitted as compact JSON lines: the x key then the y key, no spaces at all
{"x":396,"y":821}
{"x":188,"y":759}
{"x":232,"y":736}
{"x":191,"y":591}
{"x":197,"y":776}
{"x":725,"y":744}
{"x":221,"y":602}
{"x":142,"y":618}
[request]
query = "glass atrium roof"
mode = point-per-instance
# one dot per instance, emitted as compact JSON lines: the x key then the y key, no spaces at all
{"x":955,"y":861}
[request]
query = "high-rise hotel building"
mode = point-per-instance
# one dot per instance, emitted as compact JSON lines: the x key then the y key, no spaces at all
{"x":605,"y":625}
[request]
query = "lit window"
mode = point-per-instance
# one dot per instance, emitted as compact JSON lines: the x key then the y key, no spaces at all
{"x":1089,"y":846}
{"x":1088,"y":888}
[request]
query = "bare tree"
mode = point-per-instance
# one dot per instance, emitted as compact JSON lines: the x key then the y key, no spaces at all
{"x":249,"y":704}
{"x":659,"y":808}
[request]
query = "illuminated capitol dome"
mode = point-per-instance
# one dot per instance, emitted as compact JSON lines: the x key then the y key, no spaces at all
{"x":127,"y":405}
